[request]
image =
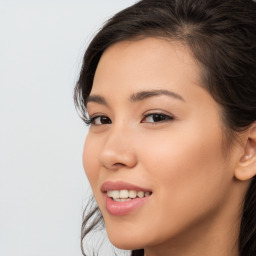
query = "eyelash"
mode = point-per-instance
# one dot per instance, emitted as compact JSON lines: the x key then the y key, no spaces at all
{"x":163,"y":117}
{"x":91,"y":121}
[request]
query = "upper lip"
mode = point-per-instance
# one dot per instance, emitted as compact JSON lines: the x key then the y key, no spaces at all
{"x":121,"y":185}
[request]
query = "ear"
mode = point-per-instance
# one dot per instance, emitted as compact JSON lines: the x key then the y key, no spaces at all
{"x":246,"y":167}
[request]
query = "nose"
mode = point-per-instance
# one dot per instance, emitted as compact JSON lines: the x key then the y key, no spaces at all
{"x":118,"y":150}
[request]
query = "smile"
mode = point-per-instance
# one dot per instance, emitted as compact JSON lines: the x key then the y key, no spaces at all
{"x":126,"y":195}
{"x":122,"y":198}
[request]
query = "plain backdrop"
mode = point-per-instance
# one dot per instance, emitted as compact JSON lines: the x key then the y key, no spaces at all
{"x":42,"y":183}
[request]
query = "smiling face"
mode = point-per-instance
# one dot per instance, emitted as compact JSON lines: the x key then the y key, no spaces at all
{"x":155,"y":127}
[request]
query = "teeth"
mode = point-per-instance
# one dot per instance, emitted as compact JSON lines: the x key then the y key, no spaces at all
{"x":121,"y":199}
{"x":113,"y":193}
{"x":126,"y":195}
{"x":140,"y":194}
{"x":132,"y":193}
{"x":147,"y":194}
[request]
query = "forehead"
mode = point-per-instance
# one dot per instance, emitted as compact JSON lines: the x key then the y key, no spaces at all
{"x":150,"y":63}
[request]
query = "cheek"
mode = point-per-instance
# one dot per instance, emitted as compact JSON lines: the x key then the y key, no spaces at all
{"x":187,"y":167}
{"x":189,"y":177}
{"x":178,"y":152}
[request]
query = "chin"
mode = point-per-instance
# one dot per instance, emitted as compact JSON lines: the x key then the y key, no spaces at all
{"x":125,"y":240}
{"x":126,"y":245}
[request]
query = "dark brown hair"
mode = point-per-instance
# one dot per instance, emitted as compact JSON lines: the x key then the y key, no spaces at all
{"x":222,"y":37}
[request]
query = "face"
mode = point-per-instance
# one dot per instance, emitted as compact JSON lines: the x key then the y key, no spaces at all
{"x":154,"y":129}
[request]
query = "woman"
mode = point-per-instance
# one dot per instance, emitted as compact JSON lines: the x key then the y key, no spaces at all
{"x":169,"y":90}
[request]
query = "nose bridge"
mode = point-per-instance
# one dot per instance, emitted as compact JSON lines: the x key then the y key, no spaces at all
{"x":118,"y":149}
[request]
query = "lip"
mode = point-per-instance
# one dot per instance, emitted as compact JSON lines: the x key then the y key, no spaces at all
{"x":123,"y":208}
{"x":126,"y":207}
{"x":119,"y":185}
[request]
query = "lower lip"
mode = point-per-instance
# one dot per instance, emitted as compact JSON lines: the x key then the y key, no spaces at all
{"x":124,"y":208}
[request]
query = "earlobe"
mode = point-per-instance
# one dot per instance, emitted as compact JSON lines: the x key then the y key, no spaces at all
{"x":246,"y":167}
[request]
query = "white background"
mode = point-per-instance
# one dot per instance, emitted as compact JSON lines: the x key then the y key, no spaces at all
{"x":42,"y":183}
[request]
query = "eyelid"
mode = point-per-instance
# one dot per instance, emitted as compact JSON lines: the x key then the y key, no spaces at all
{"x":158,"y":111}
{"x":169,"y":117}
{"x":90,"y":119}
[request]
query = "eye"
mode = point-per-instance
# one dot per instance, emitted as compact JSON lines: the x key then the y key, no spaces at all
{"x":99,"y":120}
{"x":156,"y":117}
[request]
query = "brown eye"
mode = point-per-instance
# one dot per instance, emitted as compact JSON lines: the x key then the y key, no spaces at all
{"x":154,"y":118}
{"x":100,"y":120}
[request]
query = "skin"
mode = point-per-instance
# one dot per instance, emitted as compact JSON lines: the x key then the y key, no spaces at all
{"x":195,"y":208}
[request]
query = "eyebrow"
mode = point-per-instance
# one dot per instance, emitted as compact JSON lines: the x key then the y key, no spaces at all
{"x":97,"y":99}
{"x":152,"y":93}
{"x":139,"y":96}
